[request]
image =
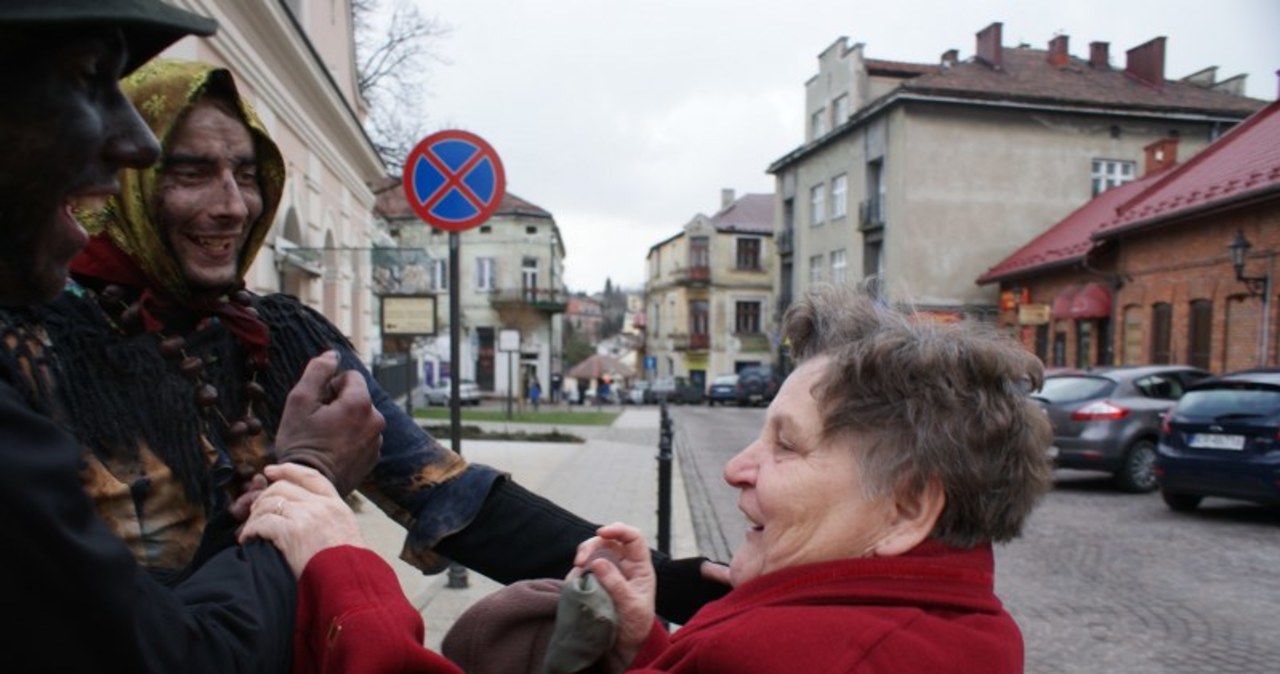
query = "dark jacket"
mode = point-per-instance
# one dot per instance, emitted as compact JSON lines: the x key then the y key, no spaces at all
{"x":77,"y":601}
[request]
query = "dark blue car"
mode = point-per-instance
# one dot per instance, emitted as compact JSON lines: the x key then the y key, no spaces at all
{"x":1221,"y":440}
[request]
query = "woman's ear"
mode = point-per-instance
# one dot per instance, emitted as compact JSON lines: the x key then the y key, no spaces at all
{"x":913,"y":519}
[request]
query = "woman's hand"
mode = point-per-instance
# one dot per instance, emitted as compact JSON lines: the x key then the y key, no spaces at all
{"x":620,"y":560}
{"x":301,"y":514}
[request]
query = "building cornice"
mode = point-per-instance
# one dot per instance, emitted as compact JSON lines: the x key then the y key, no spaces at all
{"x":274,"y":56}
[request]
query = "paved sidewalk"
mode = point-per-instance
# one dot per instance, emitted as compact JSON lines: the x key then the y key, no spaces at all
{"x":613,"y":476}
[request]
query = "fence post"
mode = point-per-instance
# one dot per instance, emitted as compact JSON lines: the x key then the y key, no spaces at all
{"x":665,"y":433}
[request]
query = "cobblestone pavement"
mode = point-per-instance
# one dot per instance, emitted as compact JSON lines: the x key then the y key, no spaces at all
{"x":1101,"y":581}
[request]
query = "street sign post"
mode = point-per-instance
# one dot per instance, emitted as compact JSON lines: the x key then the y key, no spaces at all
{"x":454,"y":181}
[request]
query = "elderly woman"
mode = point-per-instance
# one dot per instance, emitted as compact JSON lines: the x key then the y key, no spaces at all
{"x":890,"y":460}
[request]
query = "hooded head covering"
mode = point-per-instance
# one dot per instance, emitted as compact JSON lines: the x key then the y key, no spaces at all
{"x":164,"y":90}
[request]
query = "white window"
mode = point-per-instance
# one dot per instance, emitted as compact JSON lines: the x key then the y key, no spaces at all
{"x":815,"y":270}
{"x":837,"y":266}
{"x":819,"y":123}
{"x":817,"y":205}
{"x":1108,"y":173}
{"x":839,"y":110}
{"x":529,"y":278}
{"x":484,"y":273}
{"x":839,"y":196}
{"x":439,"y":274}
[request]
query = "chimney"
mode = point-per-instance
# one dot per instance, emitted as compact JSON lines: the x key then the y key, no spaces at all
{"x":1098,"y":57}
{"x":1145,"y":62}
{"x":1160,"y":155}
{"x":726,"y":197}
{"x":950,"y":57}
{"x":1058,"y":56}
{"x":989,"y":46}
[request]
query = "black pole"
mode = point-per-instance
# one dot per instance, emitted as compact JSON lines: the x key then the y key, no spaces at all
{"x":457,"y":572}
{"x":664,"y":481}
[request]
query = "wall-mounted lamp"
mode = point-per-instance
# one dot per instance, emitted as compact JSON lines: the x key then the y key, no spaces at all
{"x":1239,"y":248}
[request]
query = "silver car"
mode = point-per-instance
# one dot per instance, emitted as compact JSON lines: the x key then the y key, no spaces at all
{"x":1108,"y":419}
{"x":468,"y":393}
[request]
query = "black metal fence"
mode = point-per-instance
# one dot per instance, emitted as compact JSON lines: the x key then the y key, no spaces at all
{"x":396,"y":373}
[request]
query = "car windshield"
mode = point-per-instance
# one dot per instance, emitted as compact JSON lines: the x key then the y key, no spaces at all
{"x":1241,"y":399}
{"x":1071,"y":389}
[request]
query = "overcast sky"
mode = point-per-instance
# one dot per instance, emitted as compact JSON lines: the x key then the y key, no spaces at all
{"x":625,"y":118}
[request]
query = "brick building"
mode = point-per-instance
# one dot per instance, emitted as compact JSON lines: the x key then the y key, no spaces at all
{"x":1146,"y":272}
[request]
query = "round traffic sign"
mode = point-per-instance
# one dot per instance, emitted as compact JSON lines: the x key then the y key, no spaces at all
{"x":453,"y":180}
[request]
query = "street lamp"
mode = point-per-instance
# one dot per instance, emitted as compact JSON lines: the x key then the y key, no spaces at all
{"x":1239,"y":249}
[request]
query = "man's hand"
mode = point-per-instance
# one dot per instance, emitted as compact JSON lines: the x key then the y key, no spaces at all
{"x":329,"y":424}
{"x":301,"y":514}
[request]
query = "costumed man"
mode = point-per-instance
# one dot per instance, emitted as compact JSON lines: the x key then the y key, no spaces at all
{"x":173,"y":375}
{"x":77,"y":600}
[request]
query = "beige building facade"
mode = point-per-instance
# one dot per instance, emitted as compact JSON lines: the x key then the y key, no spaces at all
{"x":511,"y":277}
{"x":295,"y":63}
{"x":709,"y":293}
{"x":926,"y":175}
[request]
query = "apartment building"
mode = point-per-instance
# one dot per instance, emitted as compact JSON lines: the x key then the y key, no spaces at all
{"x":511,"y":273}
{"x":709,"y":293}
{"x":926,"y":175}
{"x":294,"y":60}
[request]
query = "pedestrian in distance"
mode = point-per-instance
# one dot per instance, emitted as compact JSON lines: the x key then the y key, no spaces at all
{"x":535,"y":393}
{"x":174,"y":376}
{"x":85,"y":605}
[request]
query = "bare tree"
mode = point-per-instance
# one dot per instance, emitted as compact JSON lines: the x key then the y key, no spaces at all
{"x":393,"y":50}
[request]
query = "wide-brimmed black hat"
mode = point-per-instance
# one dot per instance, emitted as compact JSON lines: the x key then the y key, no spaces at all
{"x":149,"y":25}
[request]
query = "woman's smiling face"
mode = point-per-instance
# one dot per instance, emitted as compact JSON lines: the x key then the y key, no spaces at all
{"x":802,"y":495}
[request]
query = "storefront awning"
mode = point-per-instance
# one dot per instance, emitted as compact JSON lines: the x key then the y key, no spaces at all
{"x":1093,"y":301}
{"x":1062,"y":302}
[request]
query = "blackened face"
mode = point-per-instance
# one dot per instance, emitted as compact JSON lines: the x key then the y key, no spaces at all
{"x":65,"y":130}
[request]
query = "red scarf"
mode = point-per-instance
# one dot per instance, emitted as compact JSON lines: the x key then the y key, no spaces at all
{"x":103,"y":261}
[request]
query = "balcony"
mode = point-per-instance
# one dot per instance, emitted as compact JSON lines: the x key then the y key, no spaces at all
{"x":784,"y":240}
{"x":546,"y":300}
{"x":693,"y":276}
{"x":682,"y":341}
{"x":871,"y":214}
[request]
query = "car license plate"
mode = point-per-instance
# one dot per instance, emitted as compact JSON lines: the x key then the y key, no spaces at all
{"x":1216,"y":441}
{"x":1053,"y":452}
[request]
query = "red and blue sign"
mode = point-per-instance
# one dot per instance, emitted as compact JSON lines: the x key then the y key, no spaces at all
{"x":453,"y":180}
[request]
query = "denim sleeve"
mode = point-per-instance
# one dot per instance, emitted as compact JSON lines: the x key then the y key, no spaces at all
{"x":418,"y":482}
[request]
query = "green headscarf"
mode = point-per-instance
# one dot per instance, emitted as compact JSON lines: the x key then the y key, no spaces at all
{"x":164,"y":90}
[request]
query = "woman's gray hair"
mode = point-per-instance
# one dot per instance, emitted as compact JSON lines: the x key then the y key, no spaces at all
{"x":929,"y":401}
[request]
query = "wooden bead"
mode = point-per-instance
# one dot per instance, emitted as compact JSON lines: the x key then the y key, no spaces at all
{"x":132,"y":315}
{"x":172,"y":346}
{"x":237,"y":430}
{"x":255,"y":426}
{"x":191,"y":367}
{"x":254,"y":391}
{"x":206,"y":395}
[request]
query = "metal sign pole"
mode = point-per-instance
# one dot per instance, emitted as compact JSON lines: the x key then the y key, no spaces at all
{"x":457,"y":572}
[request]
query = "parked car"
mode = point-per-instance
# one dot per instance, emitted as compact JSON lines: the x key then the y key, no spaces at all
{"x":1222,"y":440}
{"x":468,"y":393}
{"x":676,"y":390}
{"x":636,"y":394}
{"x":724,"y":390}
{"x":1108,"y":419}
{"x":757,"y":384}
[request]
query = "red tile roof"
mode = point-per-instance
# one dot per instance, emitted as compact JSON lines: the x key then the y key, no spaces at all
{"x":749,"y":213}
{"x":1243,"y":164}
{"x":1068,"y":241}
{"x":1027,"y":75}
{"x":392,"y":204}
